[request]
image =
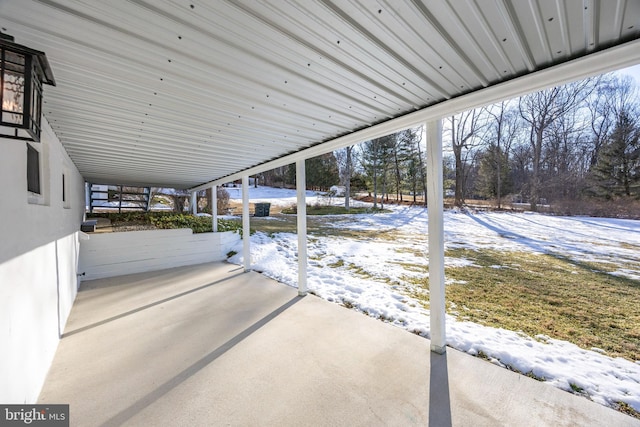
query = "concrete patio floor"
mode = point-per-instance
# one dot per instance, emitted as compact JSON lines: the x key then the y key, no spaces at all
{"x":210,"y":345}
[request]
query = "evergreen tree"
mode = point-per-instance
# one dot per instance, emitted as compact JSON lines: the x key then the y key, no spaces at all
{"x":493,"y":180}
{"x":322,"y":172}
{"x":375,"y":162}
{"x":617,"y":171}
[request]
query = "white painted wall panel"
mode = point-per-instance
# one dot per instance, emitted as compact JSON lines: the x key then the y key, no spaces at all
{"x":38,"y":262}
{"x":113,"y":254}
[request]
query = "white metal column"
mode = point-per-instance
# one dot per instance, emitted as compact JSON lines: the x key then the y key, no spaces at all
{"x":194,"y":202}
{"x":246,"y":246}
{"x":301,"y":187}
{"x":436,"y":236}
{"x":214,"y":208}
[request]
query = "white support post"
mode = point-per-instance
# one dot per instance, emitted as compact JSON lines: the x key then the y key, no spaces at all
{"x":436,"y":237}
{"x":301,"y":187}
{"x":246,"y":245}
{"x":194,"y":202}
{"x":214,"y":208}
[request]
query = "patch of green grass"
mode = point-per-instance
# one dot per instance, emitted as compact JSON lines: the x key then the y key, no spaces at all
{"x":529,"y":374}
{"x":348,"y":304}
{"x":539,"y":294}
{"x":484,"y":356}
{"x":627,"y":409}
{"x":317,"y":226}
{"x":576,"y":388}
{"x":339,"y":263}
{"x":631,"y":246}
{"x":333,"y":210}
{"x":359,"y":271}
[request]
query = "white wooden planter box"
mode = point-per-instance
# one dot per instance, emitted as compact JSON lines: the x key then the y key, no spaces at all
{"x":114,"y":254}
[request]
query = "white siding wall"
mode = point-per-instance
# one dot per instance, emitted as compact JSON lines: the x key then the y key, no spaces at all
{"x":38,"y":262}
{"x":113,"y":254}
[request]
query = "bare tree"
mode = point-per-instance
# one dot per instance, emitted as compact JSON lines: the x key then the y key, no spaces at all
{"x":348,"y":172}
{"x":563,"y":157}
{"x":539,"y":110}
{"x":503,"y":131}
{"x":345,"y":158}
{"x":601,"y":114}
{"x":465,"y":129}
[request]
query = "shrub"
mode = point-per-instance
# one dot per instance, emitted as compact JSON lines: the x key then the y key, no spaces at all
{"x":169,"y":220}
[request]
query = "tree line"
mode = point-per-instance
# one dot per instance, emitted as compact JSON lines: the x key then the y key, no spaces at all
{"x":573,"y":142}
{"x":576,"y":142}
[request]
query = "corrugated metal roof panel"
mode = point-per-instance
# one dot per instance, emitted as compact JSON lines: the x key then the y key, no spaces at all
{"x":176,"y":93}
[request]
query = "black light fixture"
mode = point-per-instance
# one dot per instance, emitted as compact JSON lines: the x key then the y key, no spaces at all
{"x":23,"y":71}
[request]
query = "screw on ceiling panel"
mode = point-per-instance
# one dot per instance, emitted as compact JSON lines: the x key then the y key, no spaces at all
{"x":192,"y":6}
{"x":550,"y":19}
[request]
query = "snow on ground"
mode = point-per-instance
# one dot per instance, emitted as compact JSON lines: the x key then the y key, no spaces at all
{"x":350,"y":272}
{"x":281,"y":197}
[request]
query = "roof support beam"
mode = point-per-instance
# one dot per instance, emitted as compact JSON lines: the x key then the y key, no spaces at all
{"x":437,"y":311}
{"x":214,"y":208}
{"x":194,"y":202}
{"x":301,"y":189}
{"x":246,"y":242}
{"x":614,"y":58}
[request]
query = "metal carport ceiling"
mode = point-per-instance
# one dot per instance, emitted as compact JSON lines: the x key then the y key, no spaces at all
{"x":178,"y":93}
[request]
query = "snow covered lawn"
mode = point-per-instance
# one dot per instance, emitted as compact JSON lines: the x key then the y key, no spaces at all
{"x":378,"y":277}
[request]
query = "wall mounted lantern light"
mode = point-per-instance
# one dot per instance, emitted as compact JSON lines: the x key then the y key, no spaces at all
{"x":23,"y":71}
